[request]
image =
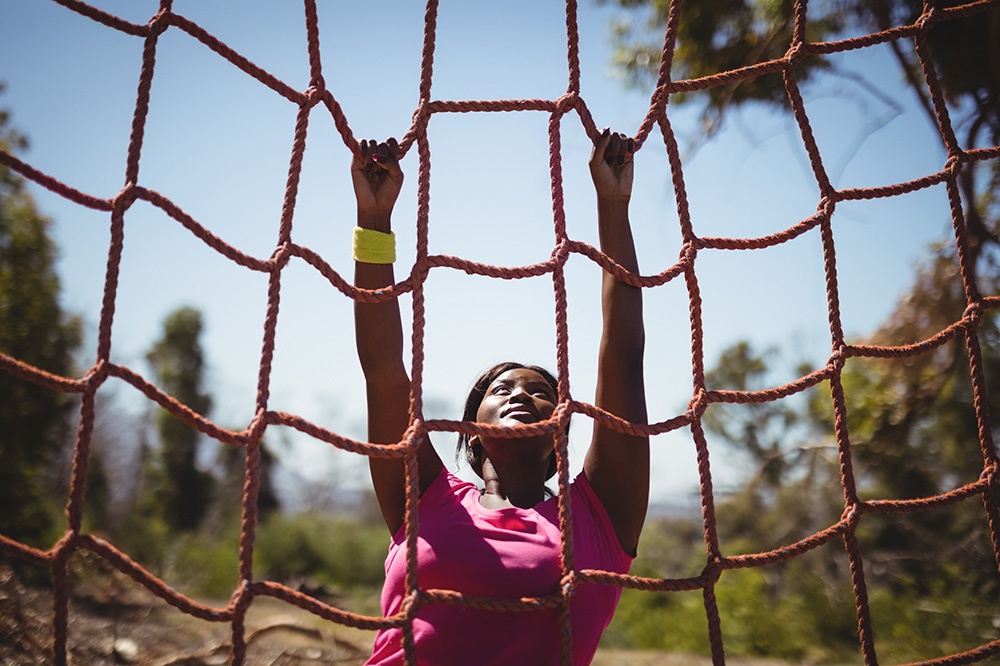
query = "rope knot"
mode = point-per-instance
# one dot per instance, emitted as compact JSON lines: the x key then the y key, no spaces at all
{"x":954,"y":164}
{"x":159,"y":23}
{"x":795,"y":54}
{"x":568,"y":584}
{"x":256,"y":428}
{"x":421,"y":114}
{"x":838,"y":358}
{"x":688,"y":253}
{"x":927,"y":19}
{"x":97,"y":373}
{"x":972,"y":315}
{"x":242,"y":596}
{"x":65,"y":547}
{"x":826,"y":206}
{"x":411,"y":604}
{"x":850,"y":517}
{"x":699,"y":403}
{"x":415,"y":434}
{"x":281,"y":255}
{"x":566,"y":102}
{"x":314,"y":94}
{"x":124,"y":199}
{"x":561,"y":251}
{"x":989,"y":474}
{"x":713,"y":570}
{"x":563,"y":413}
{"x":661,"y":96}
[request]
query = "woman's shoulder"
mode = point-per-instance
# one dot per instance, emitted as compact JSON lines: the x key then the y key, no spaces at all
{"x":453,"y":482}
{"x":447,"y":486}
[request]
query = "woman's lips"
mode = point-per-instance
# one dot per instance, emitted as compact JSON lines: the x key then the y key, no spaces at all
{"x":521,"y":414}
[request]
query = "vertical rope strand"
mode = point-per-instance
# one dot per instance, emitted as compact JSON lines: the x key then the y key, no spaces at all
{"x":562,"y":361}
{"x":573,"y":47}
{"x":312,"y":42}
{"x":661,"y":94}
{"x":294,"y":172}
{"x":427,"y":52}
{"x":156,"y":27}
{"x":63,"y":551}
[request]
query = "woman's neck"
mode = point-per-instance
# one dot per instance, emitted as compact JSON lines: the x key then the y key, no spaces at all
{"x":512,"y":484}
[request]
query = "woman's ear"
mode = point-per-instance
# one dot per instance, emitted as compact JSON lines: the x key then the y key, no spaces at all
{"x":474,"y":455}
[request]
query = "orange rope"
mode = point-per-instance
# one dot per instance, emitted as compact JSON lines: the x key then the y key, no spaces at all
{"x":235,"y":612}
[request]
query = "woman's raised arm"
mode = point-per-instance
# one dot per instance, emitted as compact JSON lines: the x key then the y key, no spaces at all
{"x":379,"y":335}
{"x":617,"y":464}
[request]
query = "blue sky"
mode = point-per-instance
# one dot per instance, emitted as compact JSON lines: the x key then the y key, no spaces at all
{"x":218,"y":145}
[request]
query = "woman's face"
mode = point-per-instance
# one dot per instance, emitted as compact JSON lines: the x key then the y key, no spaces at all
{"x":517,"y":396}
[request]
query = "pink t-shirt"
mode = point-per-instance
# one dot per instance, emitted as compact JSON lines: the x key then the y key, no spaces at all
{"x":503,"y":554}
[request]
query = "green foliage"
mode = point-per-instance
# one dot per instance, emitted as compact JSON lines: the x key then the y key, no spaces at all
{"x":33,"y":329}
{"x":338,"y":551}
{"x":197,"y":563}
{"x":671,"y":621}
{"x":206,"y":564}
{"x":914,"y":433}
{"x":956,"y":616}
{"x":145,"y":536}
{"x":341,"y":552}
{"x":722,"y":35}
{"x":715,"y":36}
{"x":757,"y":620}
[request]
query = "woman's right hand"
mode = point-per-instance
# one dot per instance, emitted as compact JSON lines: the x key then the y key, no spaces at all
{"x":377,"y":180}
{"x":611,"y":165}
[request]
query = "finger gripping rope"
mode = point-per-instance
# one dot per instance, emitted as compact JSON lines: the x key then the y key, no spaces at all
{"x":558,"y":109}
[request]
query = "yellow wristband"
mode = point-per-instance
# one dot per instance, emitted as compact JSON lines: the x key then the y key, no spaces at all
{"x":374,"y":247}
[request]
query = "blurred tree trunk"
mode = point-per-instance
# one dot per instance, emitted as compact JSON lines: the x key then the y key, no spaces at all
{"x":183,"y":491}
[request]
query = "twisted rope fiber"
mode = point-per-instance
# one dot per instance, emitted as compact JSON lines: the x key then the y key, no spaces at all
{"x":716,"y":563}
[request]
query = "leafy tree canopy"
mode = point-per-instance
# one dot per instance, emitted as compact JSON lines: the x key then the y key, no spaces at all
{"x":721,"y":35}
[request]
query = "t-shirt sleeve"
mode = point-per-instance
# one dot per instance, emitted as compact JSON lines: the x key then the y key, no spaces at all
{"x":443,"y":486}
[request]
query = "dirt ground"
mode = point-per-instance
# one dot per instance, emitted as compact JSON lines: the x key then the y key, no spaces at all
{"x":121,"y":623}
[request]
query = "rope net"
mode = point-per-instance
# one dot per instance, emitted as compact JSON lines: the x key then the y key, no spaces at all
{"x":317,"y":95}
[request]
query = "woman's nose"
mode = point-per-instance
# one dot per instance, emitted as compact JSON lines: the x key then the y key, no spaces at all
{"x":518,"y":394}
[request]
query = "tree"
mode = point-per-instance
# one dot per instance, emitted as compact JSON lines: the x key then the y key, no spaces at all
{"x":721,"y":35}
{"x":33,"y":329}
{"x":914,"y":433}
{"x":182,"y":490}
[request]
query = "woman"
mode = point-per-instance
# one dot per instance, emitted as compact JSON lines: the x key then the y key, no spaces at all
{"x":503,"y":541}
